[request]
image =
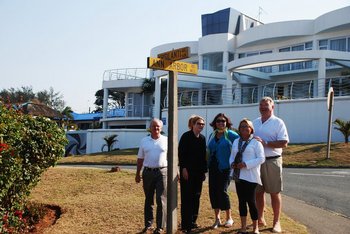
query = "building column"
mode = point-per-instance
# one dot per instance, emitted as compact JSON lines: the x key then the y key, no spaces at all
{"x":321,"y":78}
{"x":105,"y":107}
{"x":224,"y":61}
{"x":200,"y":62}
{"x":227,"y":97}
{"x":157,"y":92}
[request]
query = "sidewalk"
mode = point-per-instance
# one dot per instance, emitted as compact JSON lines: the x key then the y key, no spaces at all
{"x":317,"y":220}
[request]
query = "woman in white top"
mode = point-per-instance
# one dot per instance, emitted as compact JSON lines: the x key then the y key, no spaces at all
{"x":246,"y":157}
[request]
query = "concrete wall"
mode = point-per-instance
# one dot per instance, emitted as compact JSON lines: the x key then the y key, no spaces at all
{"x":127,"y":138}
{"x":306,"y":120}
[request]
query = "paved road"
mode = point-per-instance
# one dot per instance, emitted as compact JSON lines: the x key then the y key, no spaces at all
{"x":326,"y":188}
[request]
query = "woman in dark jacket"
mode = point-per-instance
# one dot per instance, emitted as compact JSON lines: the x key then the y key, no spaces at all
{"x":193,"y":166}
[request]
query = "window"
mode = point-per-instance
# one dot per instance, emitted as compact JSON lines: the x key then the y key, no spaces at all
{"x":338,"y":44}
{"x":215,"y":23}
{"x":241,"y":55}
{"x":287,"y":49}
{"x":231,"y":57}
{"x":323,"y":44}
{"x":308,"y":45}
{"x":213,"y":62}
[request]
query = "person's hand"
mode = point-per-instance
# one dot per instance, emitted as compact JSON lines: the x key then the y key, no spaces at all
{"x":185,"y":174}
{"x":241,"y":165}
{"x":203,"y":177}
{"x":137,"y":178}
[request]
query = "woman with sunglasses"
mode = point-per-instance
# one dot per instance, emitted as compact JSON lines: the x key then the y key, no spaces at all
{"x":219,"y":149}
{"x":193,"y":166}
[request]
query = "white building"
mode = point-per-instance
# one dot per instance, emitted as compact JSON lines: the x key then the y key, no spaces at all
{"x":240,"y":60}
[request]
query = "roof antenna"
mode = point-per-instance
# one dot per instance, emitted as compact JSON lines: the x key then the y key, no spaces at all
{"x":261,"y":11}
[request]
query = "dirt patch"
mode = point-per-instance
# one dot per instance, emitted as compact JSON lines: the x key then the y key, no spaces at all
{"x":52,"y":214}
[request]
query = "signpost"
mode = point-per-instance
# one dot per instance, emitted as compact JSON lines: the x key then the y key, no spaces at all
{"x":165,"y":61}
{"x":330,"y":102}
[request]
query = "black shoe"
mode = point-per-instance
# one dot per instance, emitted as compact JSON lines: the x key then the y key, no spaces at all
{"x":194,"y":225}
{"x":158,"y":231}
{"x":147,"y":229}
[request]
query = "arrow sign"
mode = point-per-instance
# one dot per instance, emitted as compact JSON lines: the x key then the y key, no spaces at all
{"x":177,"y":54}
{"x":168,"y":65}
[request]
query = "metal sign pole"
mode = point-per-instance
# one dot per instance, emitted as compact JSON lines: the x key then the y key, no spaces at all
{"x":330,"y":103}
{"x":172,"y":155}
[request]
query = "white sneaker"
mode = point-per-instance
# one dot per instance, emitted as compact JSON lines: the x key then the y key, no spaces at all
{"x":229,"y":223}
{"x":277,"y":228}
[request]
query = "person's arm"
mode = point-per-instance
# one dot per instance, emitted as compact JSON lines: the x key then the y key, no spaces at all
{"x":276,"y":144}
{"x":182,"y":151}
{"x":138,"y":170}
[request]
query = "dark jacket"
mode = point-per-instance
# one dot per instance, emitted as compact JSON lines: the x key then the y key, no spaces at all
{"x":192,"y":153}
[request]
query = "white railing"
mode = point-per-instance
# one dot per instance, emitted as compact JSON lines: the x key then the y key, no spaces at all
{"x":127,"y":74}
{"x":292,"y":90}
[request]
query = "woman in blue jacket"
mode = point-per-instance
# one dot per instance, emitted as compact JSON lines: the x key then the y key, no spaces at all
{"x":219,"y":147}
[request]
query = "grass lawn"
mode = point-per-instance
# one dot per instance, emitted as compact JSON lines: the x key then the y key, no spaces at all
{"x":99,"y":201}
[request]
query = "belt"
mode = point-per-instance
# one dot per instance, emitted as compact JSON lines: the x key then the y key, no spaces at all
{"x":153,"y":168}
{"x":272,"y":157}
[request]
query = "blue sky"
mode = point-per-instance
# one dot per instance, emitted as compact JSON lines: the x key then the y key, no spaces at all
{"x":67,"y":44}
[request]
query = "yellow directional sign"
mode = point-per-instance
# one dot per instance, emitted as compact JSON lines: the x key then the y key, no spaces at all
{"x":168,"y":65}
{"x":177,"y":54}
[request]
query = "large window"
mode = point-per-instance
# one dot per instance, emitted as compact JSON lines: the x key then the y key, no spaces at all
{"x":213,"y":62}
{"x":215,"y":23}
{"x":338,"y":44}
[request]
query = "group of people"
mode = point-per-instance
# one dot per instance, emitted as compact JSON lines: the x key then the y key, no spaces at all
{"x":252,"y":158}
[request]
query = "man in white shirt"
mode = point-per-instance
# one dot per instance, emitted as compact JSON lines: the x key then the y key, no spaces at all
{"x":152,"y":156}
{"x":272,"y":133}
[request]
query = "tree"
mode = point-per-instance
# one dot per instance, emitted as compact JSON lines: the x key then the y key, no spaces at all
{"x":148,"y":86}
{"x":110,"y":140}
{"x":51,"y":98}
{"x":67,"y":112}
{"x":25,"y":94}
{"x":118,"y":99}
{"x":16,"y":96}
{"x":344,"y":128}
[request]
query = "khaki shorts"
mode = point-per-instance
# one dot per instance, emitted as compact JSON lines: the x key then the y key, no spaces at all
{"x":271,"y":176}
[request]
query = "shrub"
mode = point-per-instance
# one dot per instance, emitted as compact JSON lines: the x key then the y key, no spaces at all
{"x":29,"y":146}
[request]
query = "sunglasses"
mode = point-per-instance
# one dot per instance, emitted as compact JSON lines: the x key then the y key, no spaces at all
{"x":221,"y":121}
{"x":201,"y":124}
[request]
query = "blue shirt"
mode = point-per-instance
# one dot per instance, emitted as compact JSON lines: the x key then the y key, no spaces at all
{"x":221,"y":148}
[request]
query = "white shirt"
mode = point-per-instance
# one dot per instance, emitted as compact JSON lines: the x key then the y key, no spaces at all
{"x":253,"y":156}
{"x":272,"y":129}
{"x":154,"y":152}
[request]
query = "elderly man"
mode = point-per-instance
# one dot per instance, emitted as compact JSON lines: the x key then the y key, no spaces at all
{"x":272,"y":133}
{"x":152,"y":156}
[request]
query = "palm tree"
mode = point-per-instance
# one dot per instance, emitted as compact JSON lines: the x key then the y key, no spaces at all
{"x":110,"y":140}
{"x":344,"y":128}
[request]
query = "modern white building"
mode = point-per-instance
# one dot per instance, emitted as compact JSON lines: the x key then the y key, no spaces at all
{"x":241,"y":60}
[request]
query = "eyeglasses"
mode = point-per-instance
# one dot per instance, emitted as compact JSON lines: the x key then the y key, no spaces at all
{"x":221,"y":121}
{"x":201,"y":124}
{"x":244,"y":126}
